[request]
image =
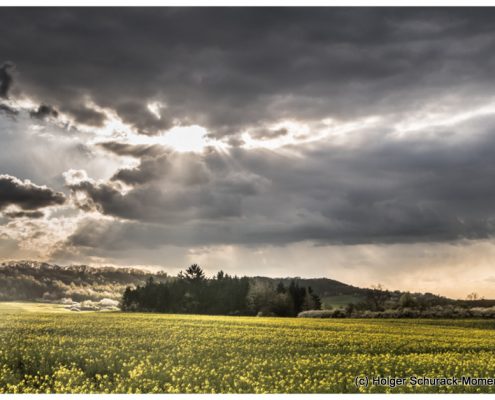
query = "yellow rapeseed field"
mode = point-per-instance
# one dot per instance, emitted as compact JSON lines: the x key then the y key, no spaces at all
{"x":64,"y":352}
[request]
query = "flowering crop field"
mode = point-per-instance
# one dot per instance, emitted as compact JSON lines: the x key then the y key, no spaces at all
{"x":90,"y":352}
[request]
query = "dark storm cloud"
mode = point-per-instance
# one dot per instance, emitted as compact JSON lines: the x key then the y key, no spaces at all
{"x":232,"y":68}
{"x":43,"y":111}
{"x":390,"y":192}
{"x":26,"y":195}
{"x":6,"y":79}
{"x":85,"y":115}
{"x":119,"y":235}
{"x":137,"y":114}
{"x":152,"y":204}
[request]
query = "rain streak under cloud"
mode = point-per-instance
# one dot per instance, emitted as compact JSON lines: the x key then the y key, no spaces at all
{"x":350,"y":143}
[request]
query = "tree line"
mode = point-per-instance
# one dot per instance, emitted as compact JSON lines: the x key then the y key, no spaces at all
{"x":191,"y":292}
{"x":381,"y":303}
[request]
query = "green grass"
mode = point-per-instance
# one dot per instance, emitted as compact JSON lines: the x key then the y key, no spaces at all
{"x":65,"y":352}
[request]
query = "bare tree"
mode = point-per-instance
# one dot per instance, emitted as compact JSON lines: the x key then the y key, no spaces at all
{"x":472,"y":296}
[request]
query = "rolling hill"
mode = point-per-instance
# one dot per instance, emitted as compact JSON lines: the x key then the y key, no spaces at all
{"x":31,"y":280}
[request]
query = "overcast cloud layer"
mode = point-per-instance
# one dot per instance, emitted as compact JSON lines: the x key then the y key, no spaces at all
{"x":351,"y":143}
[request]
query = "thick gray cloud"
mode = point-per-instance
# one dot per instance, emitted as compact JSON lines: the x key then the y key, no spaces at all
{"x":137,"y":114}
{"x":149,"y":169}
{"x":85,"y":115}
{"x":232,"y":68}
{"x":154,"y":203}
{"x":132,"y":150}
{"x":44,"y":111}
{"x":5,"y":79}
{"x":24,"y":214}
{"x":154,"y":162}
{"x":26,"y":195}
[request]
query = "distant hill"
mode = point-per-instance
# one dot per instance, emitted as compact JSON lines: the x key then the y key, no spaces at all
{"x":322,"y":286}
{"x":38,"y":281}
{"x":28,"y":280}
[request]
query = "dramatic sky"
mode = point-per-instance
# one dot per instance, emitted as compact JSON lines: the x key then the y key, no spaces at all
{"x":356,"y":144}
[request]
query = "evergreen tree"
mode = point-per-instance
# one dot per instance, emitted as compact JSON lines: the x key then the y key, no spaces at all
{"x":192,"y":292}
{"x":193,"y":274}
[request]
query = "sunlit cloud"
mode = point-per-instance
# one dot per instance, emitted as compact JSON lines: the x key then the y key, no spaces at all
{"x":300,"y":133}
{"x":441,"y":117}
{"x":155,"y":108}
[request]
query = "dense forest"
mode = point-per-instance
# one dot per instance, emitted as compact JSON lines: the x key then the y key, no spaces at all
{"x":193,"y":293}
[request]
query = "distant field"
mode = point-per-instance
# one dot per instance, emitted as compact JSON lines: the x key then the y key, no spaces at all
{"x":15,"y":307}
{"x":44,"y":349}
